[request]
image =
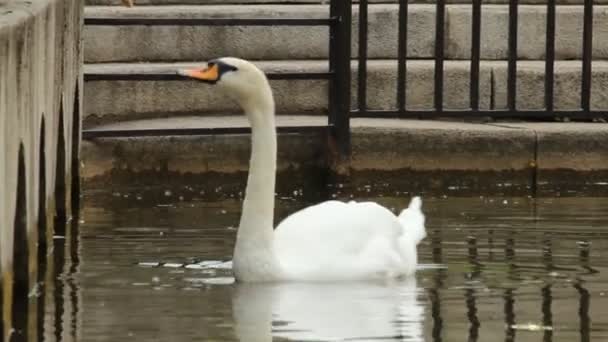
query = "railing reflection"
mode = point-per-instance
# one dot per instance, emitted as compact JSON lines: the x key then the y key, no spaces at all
{"x":434,"y":294}
{"x":476,"y":261}
{"x":583,"y":312}
{"x":470,"y":294}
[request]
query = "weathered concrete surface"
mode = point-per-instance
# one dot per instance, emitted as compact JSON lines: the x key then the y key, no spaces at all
{"x":531,"y":32}
{"x":512,"y":158}
{"x":569,"y":153}
{"x":109,"y":101}
{"x":392,"y":144}
{"x":169,"y":160}
{"x":567,"y":85}
{"x":201,"y":43}
{"x":40,"y":58}
{"x":189,"y":43}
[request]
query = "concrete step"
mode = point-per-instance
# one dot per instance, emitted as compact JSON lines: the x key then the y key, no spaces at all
{"x":172,"y":43}
{"x":248,"y":2}
{"x":135,"y":161}
{"x":467,"y":158}
{"x":113,"y":101}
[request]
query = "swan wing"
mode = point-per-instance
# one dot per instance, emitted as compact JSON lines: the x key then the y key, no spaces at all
{"x":336,"y":240}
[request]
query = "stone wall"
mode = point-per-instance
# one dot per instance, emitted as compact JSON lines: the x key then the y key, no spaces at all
{"x":40,"y":78}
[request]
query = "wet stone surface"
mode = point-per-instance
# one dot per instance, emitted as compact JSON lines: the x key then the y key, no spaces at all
{"x":492,"y":269}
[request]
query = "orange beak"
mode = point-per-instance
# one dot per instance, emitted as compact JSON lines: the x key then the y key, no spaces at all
{"x":210,"y":74}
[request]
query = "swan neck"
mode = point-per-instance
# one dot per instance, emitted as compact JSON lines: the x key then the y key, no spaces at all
{"x":258,"y":206}
{"x":254,"y":257}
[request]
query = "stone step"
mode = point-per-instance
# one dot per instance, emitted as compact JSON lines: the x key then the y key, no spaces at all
{"x":249,"y":2}
{"x":187,"y":43}
{"x":135,"y":160}
{"x":113,"y":101}
{"x":475,"y":158}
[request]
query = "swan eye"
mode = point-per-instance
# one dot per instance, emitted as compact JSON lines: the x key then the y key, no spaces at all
{"x":224,"y":67}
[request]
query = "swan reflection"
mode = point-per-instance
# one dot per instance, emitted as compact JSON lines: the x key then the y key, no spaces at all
{"x":329,"y":311}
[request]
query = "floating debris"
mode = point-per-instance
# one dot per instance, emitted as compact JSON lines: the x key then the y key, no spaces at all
{"x":218,"y":281}
{"x":208,"y":263}
{"x":148,"y":264}
{"x":141,"y":284}
{"x":195,"y":267}
{"x":222,"y":266}
{"x":173,"y":265}
{"x":531,"y":327}
{"x":430,"y":266}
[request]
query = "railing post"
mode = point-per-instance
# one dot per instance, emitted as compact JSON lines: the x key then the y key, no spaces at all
{"x":339,"y":89}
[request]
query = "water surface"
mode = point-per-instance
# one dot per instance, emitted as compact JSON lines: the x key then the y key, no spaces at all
{"x":493,"y":269}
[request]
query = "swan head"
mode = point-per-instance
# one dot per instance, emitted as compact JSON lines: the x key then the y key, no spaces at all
{"x":238,"y":78}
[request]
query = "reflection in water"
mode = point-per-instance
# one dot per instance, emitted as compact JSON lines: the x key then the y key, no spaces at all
{"x":546,"y":311}
{"x":523,"y":271}
{"x":328,"y":311}
{"x":583,"y":312}
{"x":39,"y":308}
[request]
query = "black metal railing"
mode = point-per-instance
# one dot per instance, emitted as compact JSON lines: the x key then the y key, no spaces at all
{"x":339,"y":74}
{"x":511,"y":111}
{"x":339,"y":22}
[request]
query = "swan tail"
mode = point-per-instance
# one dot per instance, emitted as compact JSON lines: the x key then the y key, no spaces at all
{"x":412,"y":221}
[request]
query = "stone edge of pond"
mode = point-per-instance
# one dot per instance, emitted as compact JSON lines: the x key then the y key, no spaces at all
{"x":410,"y":154}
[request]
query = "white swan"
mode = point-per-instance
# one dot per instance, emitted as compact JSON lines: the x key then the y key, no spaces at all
{"x":325,"y":242}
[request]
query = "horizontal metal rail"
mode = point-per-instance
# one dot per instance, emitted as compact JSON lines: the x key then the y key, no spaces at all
{"x":210,"y":21}
{"x":467,"y":113}
{"x":135,"y":133}
{"x":175,"y":77}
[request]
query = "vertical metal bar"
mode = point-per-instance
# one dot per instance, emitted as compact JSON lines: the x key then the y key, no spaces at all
{"x":587,"y":54}
{"x":512,"y":65}
{"x":340,"y":53}
{"x":402,"y":57}
{"x":333,"y":50}
{"x":362,"y":73}
{"x":550,"y":55}
{"x":439,"y":53}
{"x":475,"y":55}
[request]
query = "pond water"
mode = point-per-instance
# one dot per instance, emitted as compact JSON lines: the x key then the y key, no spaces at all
{"x":492,"y":269}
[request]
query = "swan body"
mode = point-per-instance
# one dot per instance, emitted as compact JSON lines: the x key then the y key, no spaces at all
{"x":329,"y":241}
{"x":334,"y":240}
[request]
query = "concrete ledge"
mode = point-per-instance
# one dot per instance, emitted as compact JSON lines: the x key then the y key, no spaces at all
{"x":387,"y":154}
{"x":40,"y":76}
{"x":109,"y":101}
{"x":184,"y":43}
{"x":171,"y":160}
